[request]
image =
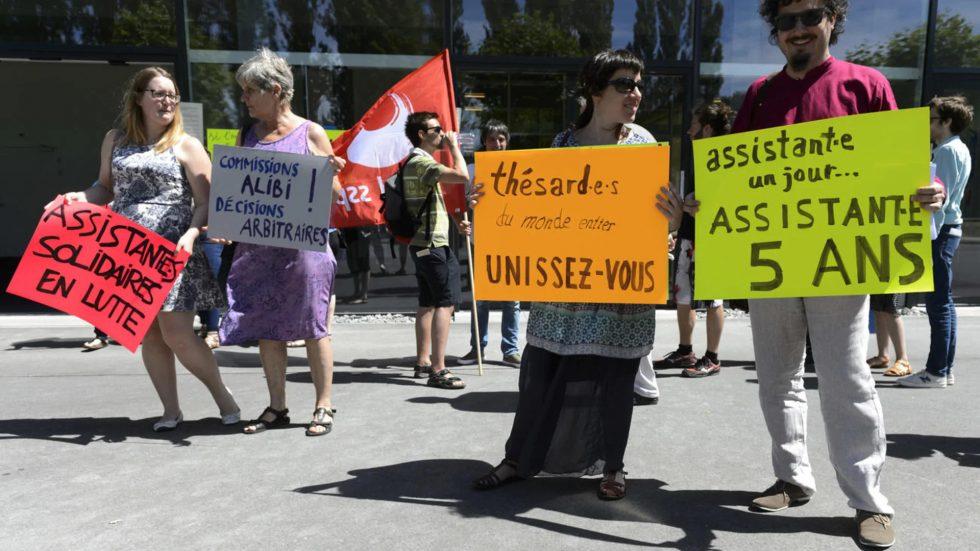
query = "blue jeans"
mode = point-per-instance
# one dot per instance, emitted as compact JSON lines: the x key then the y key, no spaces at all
{"x":939,"y":303}
{"x":509,"y":325}
{"x":212,"y":251}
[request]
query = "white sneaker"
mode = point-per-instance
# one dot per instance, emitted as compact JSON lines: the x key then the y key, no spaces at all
{"x":922,"y":379}
{"x":95,"y":344}
{"x":950,"y":381}
{"x":164,"y":425}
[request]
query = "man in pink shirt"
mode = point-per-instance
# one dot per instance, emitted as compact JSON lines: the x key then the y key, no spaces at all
{"x":813,"y":86}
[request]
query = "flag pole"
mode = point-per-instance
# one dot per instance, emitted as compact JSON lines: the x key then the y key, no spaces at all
{"x":476,"y":318}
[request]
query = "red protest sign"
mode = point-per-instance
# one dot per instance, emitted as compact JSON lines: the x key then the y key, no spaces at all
{"x":90,"y":262}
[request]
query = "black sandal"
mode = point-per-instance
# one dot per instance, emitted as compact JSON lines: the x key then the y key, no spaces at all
{"x":422,"y":371}
{"x":319,"y":415}
{"x":445,"y":379}
{"x":491,"y":480}
{"x":281,"y":419}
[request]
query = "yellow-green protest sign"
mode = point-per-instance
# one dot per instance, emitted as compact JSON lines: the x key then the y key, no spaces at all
{"x":572,"y":224}
{"x":227,"y":136}
{"x":821,"y":208}
{"x":221,"y":136}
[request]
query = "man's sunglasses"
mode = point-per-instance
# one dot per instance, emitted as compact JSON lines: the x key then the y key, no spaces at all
{"x":809,"y":18}
{"x":624,"y":85}
{"x":433,"y":128}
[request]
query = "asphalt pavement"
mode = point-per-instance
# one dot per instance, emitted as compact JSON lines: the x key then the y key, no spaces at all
{"x":81,"y":469}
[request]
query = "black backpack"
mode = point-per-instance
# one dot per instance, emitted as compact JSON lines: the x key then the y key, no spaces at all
{"x":401,"y":222}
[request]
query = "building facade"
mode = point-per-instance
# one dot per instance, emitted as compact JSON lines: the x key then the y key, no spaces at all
{"x":64,"y":65}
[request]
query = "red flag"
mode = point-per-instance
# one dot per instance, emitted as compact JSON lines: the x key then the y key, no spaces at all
{"x":376,"y":145}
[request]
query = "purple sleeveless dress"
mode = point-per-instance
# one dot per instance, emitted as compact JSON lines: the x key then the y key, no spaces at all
{"x":275,"y":293}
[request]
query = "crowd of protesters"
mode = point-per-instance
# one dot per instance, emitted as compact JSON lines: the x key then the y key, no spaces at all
{"x":585,"y":365}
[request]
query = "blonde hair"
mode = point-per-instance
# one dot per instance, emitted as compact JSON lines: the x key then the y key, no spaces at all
{"x":131,"y":124}
{"x":266,"y":69}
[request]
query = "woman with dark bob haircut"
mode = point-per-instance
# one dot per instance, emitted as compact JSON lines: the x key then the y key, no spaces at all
{"x":576,"y":381}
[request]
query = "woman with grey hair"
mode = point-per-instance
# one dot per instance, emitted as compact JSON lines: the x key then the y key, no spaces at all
{"x":277,"y":295}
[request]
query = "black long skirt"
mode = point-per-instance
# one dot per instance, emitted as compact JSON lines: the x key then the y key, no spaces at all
{"x":573,"y":413}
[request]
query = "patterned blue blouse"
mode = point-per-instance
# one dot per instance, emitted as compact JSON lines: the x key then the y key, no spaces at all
{"x":611,"y":330}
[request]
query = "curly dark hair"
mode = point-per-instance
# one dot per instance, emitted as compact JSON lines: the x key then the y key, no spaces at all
{"x":717,"y":114}
{"x":769,"y":9}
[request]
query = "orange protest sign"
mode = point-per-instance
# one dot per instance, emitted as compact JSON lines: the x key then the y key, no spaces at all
{"x":572,"y":225}
{"x":90,"y":262}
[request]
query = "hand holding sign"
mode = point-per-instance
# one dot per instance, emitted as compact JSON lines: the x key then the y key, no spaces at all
{"x":271,"y":198}
{"x":90,"y":262}
{"x":573,"y":225}
{"x":824,"y":208}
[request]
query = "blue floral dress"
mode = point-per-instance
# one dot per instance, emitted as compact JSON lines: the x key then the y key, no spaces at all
{"x":152,"y":190}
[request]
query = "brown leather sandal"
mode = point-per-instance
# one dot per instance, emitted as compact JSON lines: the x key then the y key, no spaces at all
{"x":493,"y":480}
{"x":878,"y":362}
{"x":613,"y":486}
{"x":900,"y":369}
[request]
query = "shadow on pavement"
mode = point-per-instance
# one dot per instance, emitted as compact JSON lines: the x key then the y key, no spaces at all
{"x":476,"y":402}
{"x":85,"y":430}
{"x":965,"y":451}
{"x":444,"y":483}
{"x":227,"y":358}
{"x":55,"y":343}
{"x":809,"y":383}
{"x":400,"y":377}
{"x":400,"y":361}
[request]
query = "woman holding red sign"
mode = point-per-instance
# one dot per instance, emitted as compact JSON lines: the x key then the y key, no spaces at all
{"x":576,"y":382}
{"x":277,"y":295}
{"x":158,"y":176}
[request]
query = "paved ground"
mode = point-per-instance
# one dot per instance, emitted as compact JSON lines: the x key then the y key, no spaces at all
{"x":393,"y":293}
{"x":80,"y":469}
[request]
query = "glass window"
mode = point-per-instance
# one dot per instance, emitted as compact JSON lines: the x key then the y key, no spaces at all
{"x":659,"y":29}
{"x":958,"y":34}
{"x":736,"y":50}
{"x":537,"y":106}
{"x":335,"y":97}
{"x":662,"y":113}
{"x":149,"y":23}
{"x":364,"y":26}
{"x":531,"y":104}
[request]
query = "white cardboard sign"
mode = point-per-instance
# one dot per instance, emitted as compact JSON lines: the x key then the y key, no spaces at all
{"x":270,"y":198}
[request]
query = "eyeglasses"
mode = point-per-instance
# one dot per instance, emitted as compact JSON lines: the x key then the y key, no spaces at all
{"x":161,"y":94}
{"x":437,"y":129}
{"x":809,"y":18}
{"x":624,"y":85}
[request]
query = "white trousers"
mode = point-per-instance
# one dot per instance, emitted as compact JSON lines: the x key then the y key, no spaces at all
{"x":838,"y":328}
{"x":645,"y":383}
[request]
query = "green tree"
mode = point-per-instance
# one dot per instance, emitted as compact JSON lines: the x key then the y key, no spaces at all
{"x":89,"y":22}
{"x":460,"y":40}
{"x":387,"y":26}
{"x":145,"y":24}
{"x":957,"y":45}
{"x":530,"y":34}
{"x":712,"y":49}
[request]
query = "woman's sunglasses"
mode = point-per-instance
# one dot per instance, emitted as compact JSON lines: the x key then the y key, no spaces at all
{"x":809,"y":18}
{"x":624,"y":85}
